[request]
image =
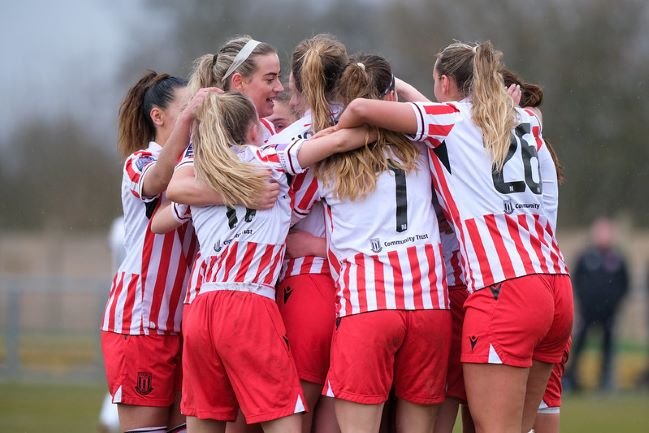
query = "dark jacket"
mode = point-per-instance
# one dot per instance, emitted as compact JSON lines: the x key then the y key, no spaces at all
{"x":601,"y":281}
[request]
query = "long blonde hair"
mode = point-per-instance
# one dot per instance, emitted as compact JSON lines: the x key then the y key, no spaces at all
{"x":210,"y":69}
{"x":352,"y":175}
{"x":476,"y":71}
{"x":223,"y":121}
{"x":316,"y":65}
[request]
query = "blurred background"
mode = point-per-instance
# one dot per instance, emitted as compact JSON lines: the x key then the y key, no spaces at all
{"x":67,"y":64}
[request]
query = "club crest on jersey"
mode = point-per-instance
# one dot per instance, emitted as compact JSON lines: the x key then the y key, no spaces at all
{"x":143,"y":161}
{"x":509,"y":207}
{"x":376,"y":245}
{"x":144,"y":385}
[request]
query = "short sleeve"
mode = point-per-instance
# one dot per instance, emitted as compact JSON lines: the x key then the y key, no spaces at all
{"x":181,"y":212}
{"x":283,"y":159}
{"x":434,"y":121}
{"x":304,"y":194}
{"x":136,"y":167}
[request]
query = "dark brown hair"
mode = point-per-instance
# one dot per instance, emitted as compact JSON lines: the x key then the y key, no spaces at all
{"x":136,"y":128}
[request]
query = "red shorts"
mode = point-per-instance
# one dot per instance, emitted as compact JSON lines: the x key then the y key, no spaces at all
{"x":142,"y":370}
{"x":552,"y":396}
{"x":307,"y":304}
{"x":455,"y":378}
{"x":236,"y":354}
{"x":372,"y":351}
{"x":518,"y":320}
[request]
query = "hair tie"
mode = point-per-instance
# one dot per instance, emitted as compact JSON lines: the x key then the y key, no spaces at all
{"x":241,"y":57}
{"x":391,"y":86}
{"x":360,"y":65}
{"x":215,"y":57}
{"x":475,"y":49}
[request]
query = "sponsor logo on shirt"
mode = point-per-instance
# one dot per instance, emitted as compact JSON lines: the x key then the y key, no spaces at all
{"x":509,"y":206}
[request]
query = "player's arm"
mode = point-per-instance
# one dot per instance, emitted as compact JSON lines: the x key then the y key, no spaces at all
{"x":158,"y":176}
{"x":186,"y":188}
{"x":301,"y":244}
{"x":315,"y":149}
{"x":408,"y":93}
{"x":395,"y":116}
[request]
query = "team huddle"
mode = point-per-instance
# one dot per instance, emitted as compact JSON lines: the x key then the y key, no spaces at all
{"x":329,"y":259}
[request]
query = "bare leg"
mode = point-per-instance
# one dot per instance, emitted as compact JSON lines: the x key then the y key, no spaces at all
{"x":175,"y":417}
{"x":415,"y":418}
{"x":537,"y":381}
{"x":447,"y":415}
{"x":502,"y":411}
{"x":195,"y":425}
{"x":358,"y":418}
{"x":239,"y":426}
{"x":547,"y":423}
{"x":133,"y":417}
{"x":287,"y":424}
{"x":467,"y":420}
{"x":325,"y":417}
{"x":311,"y":394}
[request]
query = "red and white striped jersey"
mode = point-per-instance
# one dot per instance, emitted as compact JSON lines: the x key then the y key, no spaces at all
{"x":268,"y":129}
{"x":183,"y":214}
{"x":147,"y":291}
{"x":387,"y":245}
{"x":303,"y":188}
{"x":499,"y":218}
{"x":243,"y":248}
{"x":450,"y":248}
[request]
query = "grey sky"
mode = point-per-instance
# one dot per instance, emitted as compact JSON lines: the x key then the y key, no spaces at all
{"x":61,"y":57}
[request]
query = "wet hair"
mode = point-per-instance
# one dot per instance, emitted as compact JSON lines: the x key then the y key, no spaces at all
{"x":476,"y":71}
{"x":223,"y":121}
{"x":135,"y":126}
{"x":210,"y":69}
{"x":532,"y":96}
{"x":353,"y":174}
{"x":317,"y":64}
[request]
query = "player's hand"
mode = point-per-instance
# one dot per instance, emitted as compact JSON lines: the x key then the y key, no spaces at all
{"x":266,"y":198}
{"x":193,"y":106}
{"x":514,"y":91}
{"x":326,"y":131}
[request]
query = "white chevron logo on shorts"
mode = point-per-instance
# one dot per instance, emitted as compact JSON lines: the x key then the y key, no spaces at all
{"x":299,"y":405}
{"x":330,"y":392}
{"x":493,"y":356}
{"x":117,"y":397}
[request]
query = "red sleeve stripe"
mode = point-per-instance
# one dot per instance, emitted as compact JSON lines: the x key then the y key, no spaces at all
{"x":437,"y":109}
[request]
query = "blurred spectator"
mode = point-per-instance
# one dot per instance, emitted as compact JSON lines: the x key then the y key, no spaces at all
{"x":600,"y":281}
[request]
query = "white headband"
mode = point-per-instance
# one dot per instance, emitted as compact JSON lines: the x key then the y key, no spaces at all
{"x":241,"y":57}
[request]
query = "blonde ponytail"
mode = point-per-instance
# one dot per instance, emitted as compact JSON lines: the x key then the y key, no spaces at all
{"x":353,"y":175}
{"x":492,"y":108}
{"x":203,"y":75}
{"x":223,"y":121}
{"x":316,"y":65}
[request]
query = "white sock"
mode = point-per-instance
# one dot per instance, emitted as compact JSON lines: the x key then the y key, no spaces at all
{"x":161,"y":429}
